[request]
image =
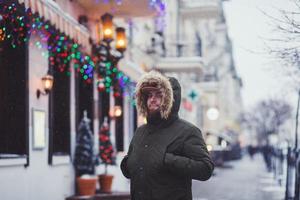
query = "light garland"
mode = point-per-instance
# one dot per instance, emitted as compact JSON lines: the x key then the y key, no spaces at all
{"x":59,"y":48}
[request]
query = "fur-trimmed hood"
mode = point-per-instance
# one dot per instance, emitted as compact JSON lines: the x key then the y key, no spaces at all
{"x":156,"y":79}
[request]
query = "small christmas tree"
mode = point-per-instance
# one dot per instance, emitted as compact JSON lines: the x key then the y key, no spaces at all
{"x":105,"y":146}
{"x":85,"y":160}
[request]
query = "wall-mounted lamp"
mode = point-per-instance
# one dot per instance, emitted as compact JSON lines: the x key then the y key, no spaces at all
{"x":47,"y":82}
{"x":115,"y":111}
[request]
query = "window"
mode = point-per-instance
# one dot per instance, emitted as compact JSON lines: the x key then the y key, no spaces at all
{"x":59,"y":115}
{"x":84,"y":100}
{"x":120,"y":125}
{"x":14,"y":100}
{"x":103,"y":106}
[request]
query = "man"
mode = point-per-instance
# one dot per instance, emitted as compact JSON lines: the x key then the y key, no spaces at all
{"x":166,"y":153}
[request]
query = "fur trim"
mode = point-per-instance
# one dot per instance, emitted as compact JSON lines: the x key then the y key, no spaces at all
{"x":161,"y":82}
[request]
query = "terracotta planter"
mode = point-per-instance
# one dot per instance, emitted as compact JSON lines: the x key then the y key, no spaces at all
{"x":86,"y":186}
{"x":105,"y":182}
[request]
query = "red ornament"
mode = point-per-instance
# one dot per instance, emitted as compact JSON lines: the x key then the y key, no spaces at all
{"x":117,"y":94}
{"x":187,"y":105}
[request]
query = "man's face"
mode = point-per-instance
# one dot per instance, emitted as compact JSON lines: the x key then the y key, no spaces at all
{"x":154,"y":99}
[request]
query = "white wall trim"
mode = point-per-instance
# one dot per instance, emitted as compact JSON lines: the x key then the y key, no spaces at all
{"x":61,"y":160}
{"x":12,"y":161}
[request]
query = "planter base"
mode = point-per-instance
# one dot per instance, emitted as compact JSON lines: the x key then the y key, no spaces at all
{"x":105,"y":182}
{"x":86,"y":186}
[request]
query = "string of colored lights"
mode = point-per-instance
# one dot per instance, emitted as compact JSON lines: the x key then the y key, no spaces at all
{"x":17,"y":26}
{"x":110,"y":77}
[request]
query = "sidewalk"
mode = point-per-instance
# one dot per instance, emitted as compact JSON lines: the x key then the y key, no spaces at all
{"x":244,"y":179}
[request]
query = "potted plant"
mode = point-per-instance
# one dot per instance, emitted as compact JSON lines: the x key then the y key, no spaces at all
{"x":85,"y":159}
{"x":107,"y":156}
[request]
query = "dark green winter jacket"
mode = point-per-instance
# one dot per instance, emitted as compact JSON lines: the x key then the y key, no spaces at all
{"x":166,"y":153}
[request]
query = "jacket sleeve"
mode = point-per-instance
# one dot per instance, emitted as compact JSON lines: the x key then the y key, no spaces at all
{"x":194,"y":162}
{"x":123,"y":165}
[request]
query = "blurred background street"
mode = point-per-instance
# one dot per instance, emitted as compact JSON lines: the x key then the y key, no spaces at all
{"x":245,"y":179}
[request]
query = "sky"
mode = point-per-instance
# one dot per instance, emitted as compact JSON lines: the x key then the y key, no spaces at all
{"x":250,"y":29}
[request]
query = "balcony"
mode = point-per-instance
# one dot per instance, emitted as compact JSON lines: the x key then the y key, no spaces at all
{"x":181,"y":65}
{"x":198,"y":3}
{"x":172,"y":56}
{"x":171,"y":46}
{"x":200,"y":8}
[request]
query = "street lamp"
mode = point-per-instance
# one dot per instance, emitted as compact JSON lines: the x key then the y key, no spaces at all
{"x":107,"y":27}
{"x":212,"y":113}
{"x":121,"y":41}
{"x":108,"y":51}
{"x":108,"y":35}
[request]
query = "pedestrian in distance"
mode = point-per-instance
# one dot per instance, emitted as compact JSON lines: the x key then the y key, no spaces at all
{"x":251,"y":151}
{"x":167,"y":152}
{"x":267,"y":155}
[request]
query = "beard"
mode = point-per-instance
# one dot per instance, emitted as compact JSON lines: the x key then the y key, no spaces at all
{"x":153,"y":112}
{"x":154,"y":116}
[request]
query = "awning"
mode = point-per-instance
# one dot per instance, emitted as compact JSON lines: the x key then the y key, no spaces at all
{"x":124,"y":9}
{"x":60,"y":19}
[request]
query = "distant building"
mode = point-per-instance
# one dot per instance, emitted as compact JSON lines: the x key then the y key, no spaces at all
{"x":198,"y":51}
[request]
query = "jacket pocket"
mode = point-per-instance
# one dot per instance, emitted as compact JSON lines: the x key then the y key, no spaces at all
{"x":132,"y":163}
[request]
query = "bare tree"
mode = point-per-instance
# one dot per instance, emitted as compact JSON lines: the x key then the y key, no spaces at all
{"x":266,"y":117}
{"x":286,"y":45}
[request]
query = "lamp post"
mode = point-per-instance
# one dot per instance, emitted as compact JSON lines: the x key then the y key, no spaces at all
{"x":293,"y":167}
{"x":297,"y":194}
{"x":107,"y":56}
{"x":297,"y":118}
{"x":108,"y":51}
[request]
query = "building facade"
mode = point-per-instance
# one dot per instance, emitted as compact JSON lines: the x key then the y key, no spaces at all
{"x":39,"y":127}
{"x":198,"y":51}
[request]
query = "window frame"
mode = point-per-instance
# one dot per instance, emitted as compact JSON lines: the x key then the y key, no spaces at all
{"x":13,"y":158}
{"x":59,"y":157}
